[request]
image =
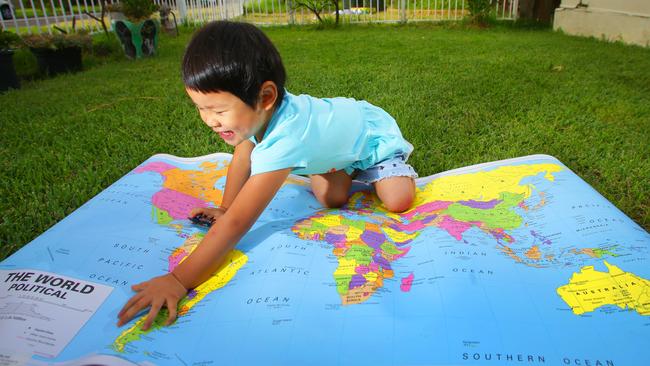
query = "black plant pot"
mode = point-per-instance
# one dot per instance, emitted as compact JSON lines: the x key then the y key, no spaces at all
{"x":8,"y":77}
{"x":53,"y":62}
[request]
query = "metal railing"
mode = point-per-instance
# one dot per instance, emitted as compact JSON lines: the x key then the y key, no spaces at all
{"x":42,"y":15}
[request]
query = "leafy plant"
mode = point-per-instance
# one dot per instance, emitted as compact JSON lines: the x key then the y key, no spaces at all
{"x":137,"y":10}
{"x":59,"y":41}
{"x":8,"y":40}
{"x":479,"y":11}
{"x":317,"y":7}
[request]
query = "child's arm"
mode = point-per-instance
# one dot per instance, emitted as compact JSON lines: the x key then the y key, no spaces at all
{"x":168,"y":289}
{"x":239,"y":171}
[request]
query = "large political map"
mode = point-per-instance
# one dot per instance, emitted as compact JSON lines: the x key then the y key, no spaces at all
{"x":511,"y":262}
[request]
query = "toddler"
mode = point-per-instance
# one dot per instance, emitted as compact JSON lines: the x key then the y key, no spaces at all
{"x":235,"y":77}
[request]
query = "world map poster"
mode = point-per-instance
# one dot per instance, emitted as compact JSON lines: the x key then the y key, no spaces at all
{"x":514,"y":262}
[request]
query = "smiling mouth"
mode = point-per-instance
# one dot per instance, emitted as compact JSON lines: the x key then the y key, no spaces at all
{"x":226,"y":135}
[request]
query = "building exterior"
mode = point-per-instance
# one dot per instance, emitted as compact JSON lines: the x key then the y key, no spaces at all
{"x":613,"y":20}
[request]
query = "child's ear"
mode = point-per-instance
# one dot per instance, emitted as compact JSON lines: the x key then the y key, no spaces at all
{"x":268,"y":95}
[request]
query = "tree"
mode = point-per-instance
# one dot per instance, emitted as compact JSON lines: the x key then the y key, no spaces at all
{"x":317,"y":7}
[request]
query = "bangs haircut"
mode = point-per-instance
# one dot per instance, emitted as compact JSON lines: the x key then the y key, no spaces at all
{"x":232,"y":57}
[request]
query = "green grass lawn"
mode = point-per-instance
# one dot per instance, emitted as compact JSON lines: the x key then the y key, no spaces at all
{"x":461,"y":96}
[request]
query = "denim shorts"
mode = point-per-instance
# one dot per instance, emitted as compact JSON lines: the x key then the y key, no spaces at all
{"x":392,"y":167}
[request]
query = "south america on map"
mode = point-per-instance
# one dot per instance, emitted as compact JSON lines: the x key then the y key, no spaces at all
{"x":511,"y":262}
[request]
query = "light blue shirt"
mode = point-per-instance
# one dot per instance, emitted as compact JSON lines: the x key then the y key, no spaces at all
{"x":320,"y":135}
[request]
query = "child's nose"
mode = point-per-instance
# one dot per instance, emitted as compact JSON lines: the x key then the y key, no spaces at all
{"x":213,"y":122}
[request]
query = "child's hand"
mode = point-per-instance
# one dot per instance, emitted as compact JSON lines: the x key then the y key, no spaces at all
{"x":209,"y":212}
{"x":158,"y":291}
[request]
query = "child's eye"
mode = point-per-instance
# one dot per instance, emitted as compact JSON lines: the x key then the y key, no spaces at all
{"x":210,"y":110}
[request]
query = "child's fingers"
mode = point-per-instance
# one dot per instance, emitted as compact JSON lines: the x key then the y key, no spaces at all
{"x":196,"y":211}
{"x":135,"y":298}
{"x":138,"y":286}
{"x":155,"y":308}
{"x":207,"y":211}
{"x":133,"y":310}
{"x":172,"y":308}
{"x":212,"y":213}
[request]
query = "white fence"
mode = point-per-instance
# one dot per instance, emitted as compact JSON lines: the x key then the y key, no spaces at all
{"x":38,"y":16}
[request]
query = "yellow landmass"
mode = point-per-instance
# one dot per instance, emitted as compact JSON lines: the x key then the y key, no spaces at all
{"x":590,"y":289}
{"x":328,"y":220}
{"x":370,"y":276}
{"x":346,"y":267}
{"x":233,"y":262}
{"x":399,"y":236}
{"x":484,"y":186}
{"x":197,"y":183}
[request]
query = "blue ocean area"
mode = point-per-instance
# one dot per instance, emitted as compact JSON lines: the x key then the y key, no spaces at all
{"x":480,"y":300}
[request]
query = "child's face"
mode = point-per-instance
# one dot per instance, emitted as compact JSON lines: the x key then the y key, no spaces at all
{"x":227,"y":115}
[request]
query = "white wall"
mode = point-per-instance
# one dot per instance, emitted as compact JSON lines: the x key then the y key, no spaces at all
{"x":614,"y":20}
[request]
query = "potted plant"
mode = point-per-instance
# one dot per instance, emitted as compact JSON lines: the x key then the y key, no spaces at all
{"x":58,"y":52}
{"x":8,"y":78}
{"x":138,"y":33}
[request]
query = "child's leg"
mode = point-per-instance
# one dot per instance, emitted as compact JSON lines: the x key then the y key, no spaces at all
{"x":396,"y":193}
{"x":332,"y":190}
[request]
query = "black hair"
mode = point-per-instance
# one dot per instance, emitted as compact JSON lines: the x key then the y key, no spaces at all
{"x":232,"y":57}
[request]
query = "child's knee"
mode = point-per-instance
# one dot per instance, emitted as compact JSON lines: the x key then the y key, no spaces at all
{"x":398,"y":206}
{"x":399,"y":202}
{"x":396,"y":194}
{"x":332,"y":199}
